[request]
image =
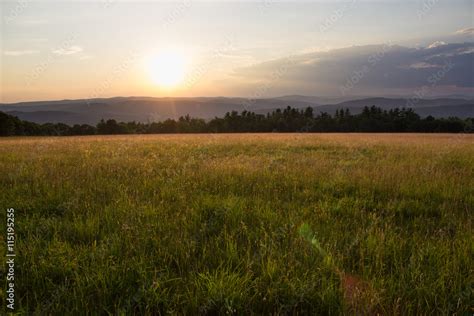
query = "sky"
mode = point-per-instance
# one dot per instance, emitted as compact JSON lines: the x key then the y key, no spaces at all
{"x":88,"y":49}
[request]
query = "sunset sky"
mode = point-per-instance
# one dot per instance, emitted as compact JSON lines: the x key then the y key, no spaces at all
{"x":87,"y":49}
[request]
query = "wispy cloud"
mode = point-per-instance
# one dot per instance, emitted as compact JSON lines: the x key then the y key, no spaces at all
{"x":422,"y":65}
{"x":20,"y":52}
{"x":436,"y":44}
{"x":466,"y":31}
{"x":68,"y":50}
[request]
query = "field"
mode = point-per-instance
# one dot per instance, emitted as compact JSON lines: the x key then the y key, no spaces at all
{"x":241,"y":223}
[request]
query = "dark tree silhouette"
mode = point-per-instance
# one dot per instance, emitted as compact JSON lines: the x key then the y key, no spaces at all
{"x":371,"y":119}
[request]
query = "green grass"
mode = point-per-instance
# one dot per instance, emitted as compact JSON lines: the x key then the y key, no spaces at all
{"x":241,"y":224}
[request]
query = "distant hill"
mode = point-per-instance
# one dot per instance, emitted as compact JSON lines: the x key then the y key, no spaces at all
{"x":462,"y":110}
{"x":41,"y":117}
{"x":148,"y":109}
{"x":313,"y":99}
{"x":441,"y":107}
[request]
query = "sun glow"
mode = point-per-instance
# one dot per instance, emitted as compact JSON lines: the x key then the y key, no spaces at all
{"x":167,"y":69}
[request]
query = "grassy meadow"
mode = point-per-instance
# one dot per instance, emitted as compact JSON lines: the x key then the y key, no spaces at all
{"x":241,"y":224}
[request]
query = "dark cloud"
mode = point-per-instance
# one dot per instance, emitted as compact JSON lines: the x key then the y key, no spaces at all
{"x":360,"y":68}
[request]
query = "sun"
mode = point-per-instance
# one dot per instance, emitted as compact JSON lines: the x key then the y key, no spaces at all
{"x":167,"y":69}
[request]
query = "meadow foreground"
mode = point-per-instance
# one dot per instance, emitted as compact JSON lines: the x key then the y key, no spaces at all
{"x":241,"y":223}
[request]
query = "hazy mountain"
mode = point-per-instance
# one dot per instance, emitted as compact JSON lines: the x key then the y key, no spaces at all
{"x":462,"y":110}
{"x":313,"y":99}
{"x":423,"y":107}
{"x":147,"y":109}
{"x":143,"y":109}
{"x":41,"y":117}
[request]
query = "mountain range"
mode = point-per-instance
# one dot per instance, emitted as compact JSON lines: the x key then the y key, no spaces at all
{"x":149,"y":109}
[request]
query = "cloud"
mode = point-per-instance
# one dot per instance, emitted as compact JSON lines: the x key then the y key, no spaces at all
{"x":423,"y":65}
{"x":466,"y":31}
{"x":368,"y":68}
{"x":20,"y":52}
{"x":68,"y":51}
{"x":436,"y":44}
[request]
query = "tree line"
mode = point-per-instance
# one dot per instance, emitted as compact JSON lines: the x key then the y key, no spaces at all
{"x":371,"y":119}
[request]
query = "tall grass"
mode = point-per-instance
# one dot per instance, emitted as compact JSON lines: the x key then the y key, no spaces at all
{"x":211,"y":224}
